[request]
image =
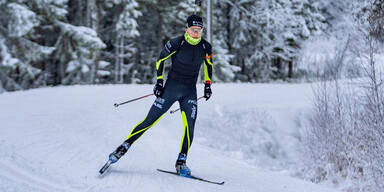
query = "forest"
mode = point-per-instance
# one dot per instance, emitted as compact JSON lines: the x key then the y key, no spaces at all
{"x":66,"y":42}
{"x":333,"y":49}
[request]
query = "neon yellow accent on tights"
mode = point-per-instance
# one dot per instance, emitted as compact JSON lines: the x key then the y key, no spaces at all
{"x":133,"y":134}
{"x":186,"y":131}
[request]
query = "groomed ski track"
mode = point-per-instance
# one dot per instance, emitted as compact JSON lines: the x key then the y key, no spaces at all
{"x":57,"y":139}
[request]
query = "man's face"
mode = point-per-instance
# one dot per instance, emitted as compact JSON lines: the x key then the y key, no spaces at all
{"x":194,"y":31}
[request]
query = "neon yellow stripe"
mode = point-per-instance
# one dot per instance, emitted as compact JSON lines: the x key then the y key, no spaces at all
{"x":133,"y":134}
{"x":186,"y":131}
{"x":140,"y":131}
{"x":160,"y":77}
{"x":163,"y":59}
{"x":130,"y":134}
{"x":206,"y":75}
{"x":208,"y":60}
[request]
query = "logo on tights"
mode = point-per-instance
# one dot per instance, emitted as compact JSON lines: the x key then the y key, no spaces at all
{"x":193,"y":114}
{"x":159,"y":103}
{"x":192,"y":101}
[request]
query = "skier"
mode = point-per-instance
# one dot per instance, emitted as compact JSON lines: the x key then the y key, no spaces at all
{"x":188,"y":52}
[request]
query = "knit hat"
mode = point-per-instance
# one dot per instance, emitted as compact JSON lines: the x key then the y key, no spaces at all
{"x":195,"y":20}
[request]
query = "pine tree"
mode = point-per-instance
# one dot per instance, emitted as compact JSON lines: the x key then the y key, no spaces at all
{"x":20,"y":57}
{"x":241,"y":29}
{"x":377,"y":20}
{"x":92,"y":41}
{"x":156,"y":28}
{"x":125,"y":44}
{"x":296,"y":21}
{"x":276,"y":29}
{"x":76,"y":48}
{"x":224,"y":70}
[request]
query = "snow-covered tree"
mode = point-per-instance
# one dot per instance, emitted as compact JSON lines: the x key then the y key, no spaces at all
{"x":224,"y":69}
{"x":125,"y":44}
{"x":175,"y":18}
{"x":276,"y":29}
{"x":76,"y":48}
{"x":19,"y":55}
{"x":288,"y":23}
{"x":252,"y":40}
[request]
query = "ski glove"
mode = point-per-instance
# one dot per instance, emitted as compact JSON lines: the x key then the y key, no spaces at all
{"x":207,"y":91}
{"x":158,"y":89}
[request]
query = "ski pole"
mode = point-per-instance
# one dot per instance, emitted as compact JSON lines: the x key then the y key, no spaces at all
{"x":174,"y":111}
{"x":132,"y":100}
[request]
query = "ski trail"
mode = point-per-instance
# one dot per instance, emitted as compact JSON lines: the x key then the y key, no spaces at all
{"x":20,"y":175}
{"x":9,"y":184}
{"x":51,"y":146}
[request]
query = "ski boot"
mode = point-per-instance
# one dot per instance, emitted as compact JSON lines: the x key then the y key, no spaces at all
{"x":181,"y":167}
{"x":119,"y":152}
{"x":115,"y":156}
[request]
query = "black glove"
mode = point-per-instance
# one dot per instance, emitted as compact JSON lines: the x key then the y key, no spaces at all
{"x":207,"y":91}
{"x":158,"y":89}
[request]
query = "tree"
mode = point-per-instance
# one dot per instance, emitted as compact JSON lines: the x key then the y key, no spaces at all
{"x":376,"y":20}
{"x":76,"y":48}
{"x":125,"y":44}
{"x":20,"y":56}
{"x":224,"y":69}
{"x":345,"y":137}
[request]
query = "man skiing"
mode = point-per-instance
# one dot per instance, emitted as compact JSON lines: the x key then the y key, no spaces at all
{"x":187,"y":52}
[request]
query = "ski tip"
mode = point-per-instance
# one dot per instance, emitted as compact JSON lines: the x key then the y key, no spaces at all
{"x":101,"y":172}
{"x":105,"y":167}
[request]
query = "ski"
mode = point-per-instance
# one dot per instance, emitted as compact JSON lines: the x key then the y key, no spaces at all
{"x":191,"y":177}
{"x":105,"y":167}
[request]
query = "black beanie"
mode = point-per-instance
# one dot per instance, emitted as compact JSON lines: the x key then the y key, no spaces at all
{"x":195,"y":20}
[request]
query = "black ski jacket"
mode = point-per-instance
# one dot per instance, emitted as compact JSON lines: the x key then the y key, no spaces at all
{"x":186,"y":60}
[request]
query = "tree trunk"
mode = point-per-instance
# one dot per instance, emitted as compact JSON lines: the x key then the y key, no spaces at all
{"x":228,"y":28}
{"x":117,"y":59}
{"x":290,"y":69}
{"x":79,"y":13}
{"x":92,"y":21}
{"x":75,"y":15}
{"x":121,"y":64}
{"x":88,"y":13}
{"x":1,"y":87}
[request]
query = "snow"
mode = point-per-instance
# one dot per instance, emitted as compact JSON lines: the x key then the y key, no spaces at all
{"x":103,"y":73}
{"x":72,"y":65}
{"x":7,"y":59}
{"x":317,"y":52}
{"x":84,"y":35}
{"x":22,"y":20}
{"x":56,"y":139}
{"x":103,"y":64}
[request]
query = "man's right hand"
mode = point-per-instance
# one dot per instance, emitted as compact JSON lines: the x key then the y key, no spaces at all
{"x":158,"y":89}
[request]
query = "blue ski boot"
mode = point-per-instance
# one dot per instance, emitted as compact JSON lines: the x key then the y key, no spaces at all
{"x":181,"y":167}
{"x":119,"y":152}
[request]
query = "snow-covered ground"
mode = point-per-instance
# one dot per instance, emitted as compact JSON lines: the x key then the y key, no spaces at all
{"x":56,"y":139}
